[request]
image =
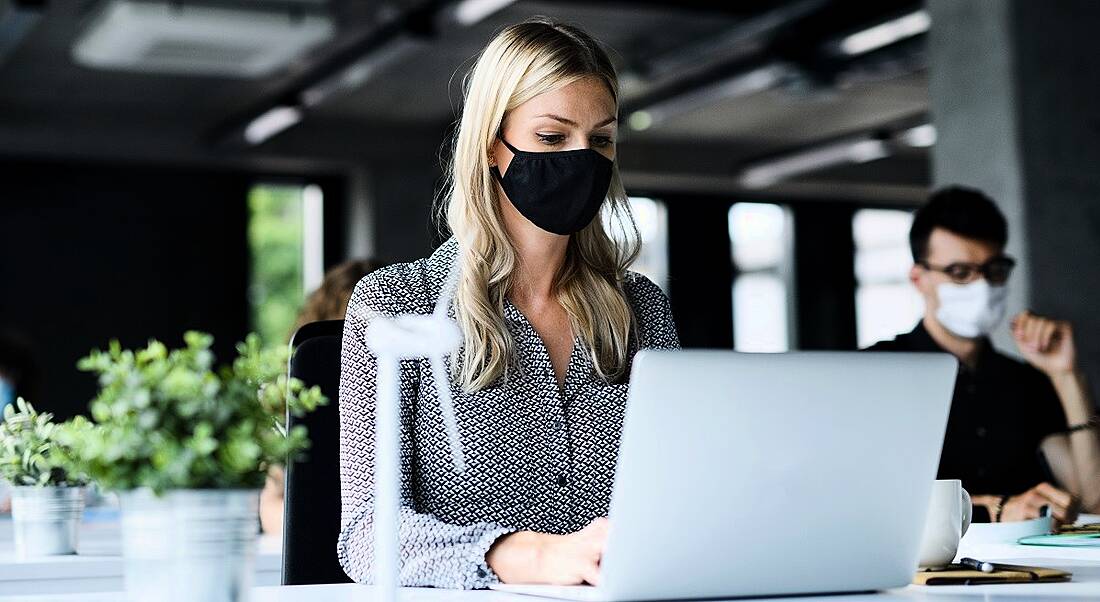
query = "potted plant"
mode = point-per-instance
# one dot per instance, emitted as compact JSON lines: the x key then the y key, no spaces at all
{"x":187,"y":447}
{"x":47,"y":499}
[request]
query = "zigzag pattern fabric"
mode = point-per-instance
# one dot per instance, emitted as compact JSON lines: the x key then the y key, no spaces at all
{"x":539,"y":457}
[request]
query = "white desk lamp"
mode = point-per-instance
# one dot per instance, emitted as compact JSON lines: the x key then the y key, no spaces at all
{"x":392,"y":339}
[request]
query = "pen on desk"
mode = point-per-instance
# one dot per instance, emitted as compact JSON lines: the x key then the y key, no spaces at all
{"x":977,"y":565}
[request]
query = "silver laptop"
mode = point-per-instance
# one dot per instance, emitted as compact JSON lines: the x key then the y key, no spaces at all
{"x":757,"y":475}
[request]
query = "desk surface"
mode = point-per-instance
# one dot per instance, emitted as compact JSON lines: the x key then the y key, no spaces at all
{"x":100,"y":559}
{"x":99,"y":565}
{"x":1084,"y":564}
{"x":359,"y":593}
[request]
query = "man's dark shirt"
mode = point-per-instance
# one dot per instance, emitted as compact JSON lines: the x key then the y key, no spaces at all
{"x":1001,"y":411}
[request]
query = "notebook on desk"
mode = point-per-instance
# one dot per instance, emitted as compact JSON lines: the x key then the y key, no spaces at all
{"x":718,"y":447}
{"x":1064,"y":540}
{"x":1005,"y":573}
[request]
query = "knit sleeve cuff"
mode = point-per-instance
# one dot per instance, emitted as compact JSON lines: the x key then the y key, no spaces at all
{"x":480,"y":575}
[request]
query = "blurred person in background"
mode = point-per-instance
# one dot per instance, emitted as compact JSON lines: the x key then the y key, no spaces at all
{"x":18,"y":378}
{"x":18,"y":369}
{"x":1003,"y":410}
{"x":328,"y":302}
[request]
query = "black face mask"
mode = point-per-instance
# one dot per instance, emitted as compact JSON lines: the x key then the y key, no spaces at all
{"x":560,"y":191}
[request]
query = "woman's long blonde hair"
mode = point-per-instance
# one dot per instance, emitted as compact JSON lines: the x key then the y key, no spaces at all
{"x":520,"y":63}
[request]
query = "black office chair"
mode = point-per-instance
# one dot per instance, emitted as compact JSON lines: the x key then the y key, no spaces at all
{"x":311,"y":516}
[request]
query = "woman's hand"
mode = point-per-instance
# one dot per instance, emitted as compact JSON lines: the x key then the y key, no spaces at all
{"x":1063,"y":506}
{"x":547,"y":559}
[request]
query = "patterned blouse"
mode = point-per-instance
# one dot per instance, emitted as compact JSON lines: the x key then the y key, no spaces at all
{"x":539,"y":456}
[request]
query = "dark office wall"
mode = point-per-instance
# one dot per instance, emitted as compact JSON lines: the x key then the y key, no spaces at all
{"x":91,"y":253}
{"x":336,"y":216}
{"x":401,"y":195}
{"x":1059,"y":119}
{"x":700,"y":271}
{"x":824,"y":274}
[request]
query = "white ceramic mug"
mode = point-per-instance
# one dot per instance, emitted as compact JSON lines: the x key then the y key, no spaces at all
{"x":949,"y":515}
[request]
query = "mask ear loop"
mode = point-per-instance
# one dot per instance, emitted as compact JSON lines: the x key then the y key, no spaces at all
{"x":495,"y":169}
{"x":515,"y":151}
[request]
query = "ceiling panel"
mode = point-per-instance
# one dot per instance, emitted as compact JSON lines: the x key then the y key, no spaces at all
{"x":435,"y":91}
{"x":46,"y":99}
{"x":777,"y":118}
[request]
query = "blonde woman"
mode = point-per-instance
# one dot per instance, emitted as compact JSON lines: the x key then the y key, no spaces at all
{"x":551,"y":319}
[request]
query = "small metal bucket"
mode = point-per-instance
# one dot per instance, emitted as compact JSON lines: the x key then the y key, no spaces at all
{"x":46,"y":520}
{"x":147,"y":546}
{"x":190,"y":545}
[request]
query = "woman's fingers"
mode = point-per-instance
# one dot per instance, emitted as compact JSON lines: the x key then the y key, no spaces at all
{"x":1073,"y":512}
{"x":1052,"y":493}
{"x":591,"y":574}
{"x":1058,"y":512}
{"x":1062,"y":504}
{"x":578,"y":558}
{"x":1030,"y":504}
{"x":1026,"y":505}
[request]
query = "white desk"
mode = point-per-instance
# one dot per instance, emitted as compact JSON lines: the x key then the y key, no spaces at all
{"x":360,"y":593}
{"x":98,"y":565}
{"x":1084,"y":564}
{"x":96,"y":576}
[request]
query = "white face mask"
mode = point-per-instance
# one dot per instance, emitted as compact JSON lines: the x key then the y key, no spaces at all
{"x":971,"y":310}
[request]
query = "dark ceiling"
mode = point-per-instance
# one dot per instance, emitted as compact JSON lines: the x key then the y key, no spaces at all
{"x":666,"y":51}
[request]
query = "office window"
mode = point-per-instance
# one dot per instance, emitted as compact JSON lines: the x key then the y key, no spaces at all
{"x":886,"y":303}
{"x":760,"y":235}
{"x":285,"y":233}
{"x":652,"y":219}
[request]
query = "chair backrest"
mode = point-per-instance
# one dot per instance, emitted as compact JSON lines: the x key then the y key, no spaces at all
{"x":311,"y":518}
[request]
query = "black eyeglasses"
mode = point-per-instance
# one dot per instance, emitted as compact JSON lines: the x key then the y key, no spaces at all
{"x":995,"y":271}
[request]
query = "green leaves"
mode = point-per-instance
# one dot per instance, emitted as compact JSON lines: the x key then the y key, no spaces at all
{"x":165,"y":419}
{"x":31,"y":452}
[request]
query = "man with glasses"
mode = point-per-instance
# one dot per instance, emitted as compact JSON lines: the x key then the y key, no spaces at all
{"x":1002,"y":409}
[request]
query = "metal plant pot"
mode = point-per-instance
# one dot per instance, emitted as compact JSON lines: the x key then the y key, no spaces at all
{"x":46,"y":520}
{"x":194,"y":545}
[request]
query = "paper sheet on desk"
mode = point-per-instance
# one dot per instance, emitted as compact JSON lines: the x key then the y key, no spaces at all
{"x":980,"y":533}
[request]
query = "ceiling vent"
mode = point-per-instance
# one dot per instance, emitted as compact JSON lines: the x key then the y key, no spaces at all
{"x":16,"y":21}
{"x":194,"y":39}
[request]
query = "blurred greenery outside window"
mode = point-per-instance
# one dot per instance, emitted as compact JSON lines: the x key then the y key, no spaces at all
{"x":277,"y":239}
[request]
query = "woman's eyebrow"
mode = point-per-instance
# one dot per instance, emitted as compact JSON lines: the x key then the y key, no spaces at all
{"x":572,"y":123}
